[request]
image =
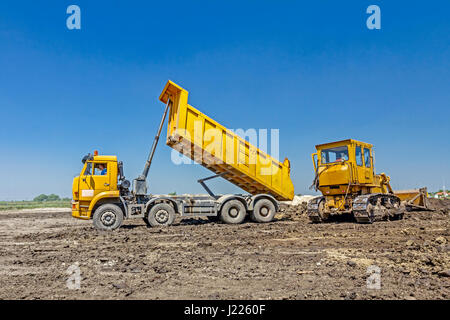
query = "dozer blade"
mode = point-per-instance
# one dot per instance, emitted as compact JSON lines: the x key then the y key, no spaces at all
{"x":415,"y":199}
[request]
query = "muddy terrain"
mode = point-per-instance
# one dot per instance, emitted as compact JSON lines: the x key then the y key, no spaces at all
{"x":196,"y":259}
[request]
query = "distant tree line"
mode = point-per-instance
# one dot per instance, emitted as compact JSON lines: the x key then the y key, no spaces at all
{"x":49,"y":197}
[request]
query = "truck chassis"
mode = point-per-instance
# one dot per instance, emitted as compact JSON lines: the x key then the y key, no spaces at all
{"x":161,"y":210}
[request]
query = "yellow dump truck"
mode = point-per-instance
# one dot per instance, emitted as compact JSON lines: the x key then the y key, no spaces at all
{"x":345,"y":175}
{"x":102,"y":193}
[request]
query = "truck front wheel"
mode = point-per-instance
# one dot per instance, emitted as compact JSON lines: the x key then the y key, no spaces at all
{"x":108,"y":217}
{"x":233,"y":212}
{"x":161,"y":214}
{"x":263,"y":211}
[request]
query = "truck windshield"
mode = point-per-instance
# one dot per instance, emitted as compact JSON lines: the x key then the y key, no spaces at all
{"x":334,"y":154}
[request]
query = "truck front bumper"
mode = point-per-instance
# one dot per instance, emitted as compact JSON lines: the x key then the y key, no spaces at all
{"x":79,"y":214}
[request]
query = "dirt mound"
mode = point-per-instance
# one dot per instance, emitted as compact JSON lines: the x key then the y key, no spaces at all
{"x":291,"y":212}
{"x":442,"y":205}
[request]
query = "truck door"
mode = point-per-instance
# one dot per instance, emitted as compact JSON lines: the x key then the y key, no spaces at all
{"x":86,"y":190}
{"x":95,"y":179}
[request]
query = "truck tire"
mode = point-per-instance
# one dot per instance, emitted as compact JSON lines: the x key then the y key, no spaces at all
{"x":161,"y":214}
{"x":108,"y":217}
{"x":233,"y":212}
{"x":263,"y":211}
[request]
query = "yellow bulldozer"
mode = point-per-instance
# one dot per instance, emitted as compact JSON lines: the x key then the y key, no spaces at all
{"x":345,"y":175}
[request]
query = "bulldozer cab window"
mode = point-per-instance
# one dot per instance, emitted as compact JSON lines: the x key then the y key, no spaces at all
{"x":358,"y":155}
{"x":334,"y":154}
{"x":367,"y":157}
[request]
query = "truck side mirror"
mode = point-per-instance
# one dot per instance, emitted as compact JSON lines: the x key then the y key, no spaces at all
{"x":86,"y":158}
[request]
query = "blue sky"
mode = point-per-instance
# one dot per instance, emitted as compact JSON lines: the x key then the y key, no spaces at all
{"x":309,"y":68}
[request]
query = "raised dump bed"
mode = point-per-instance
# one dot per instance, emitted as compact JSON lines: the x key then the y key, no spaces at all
{"x":207,"y":142}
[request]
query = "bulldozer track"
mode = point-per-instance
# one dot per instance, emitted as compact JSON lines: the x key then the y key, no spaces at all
{"x":313,"y":210}
{"x":369,"y":208}
{"x":366,"y":208}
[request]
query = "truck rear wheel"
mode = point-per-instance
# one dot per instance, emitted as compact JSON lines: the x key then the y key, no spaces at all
{"x":108,"y":217}
{"x":263,"y":211}
{"x":161,"y":214}
{"x":233,"y":212}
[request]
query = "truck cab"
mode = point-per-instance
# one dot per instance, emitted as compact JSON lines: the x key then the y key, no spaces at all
{"x":96,"y":184}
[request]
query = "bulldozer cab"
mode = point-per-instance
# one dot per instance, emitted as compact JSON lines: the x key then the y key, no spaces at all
{"x":344,"y":162}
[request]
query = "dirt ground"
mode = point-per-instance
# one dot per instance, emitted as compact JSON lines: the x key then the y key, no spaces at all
{"x":195,"y":259}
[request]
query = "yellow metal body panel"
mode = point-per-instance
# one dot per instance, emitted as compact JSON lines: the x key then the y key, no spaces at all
{"x":88,"y":189}
{"x":207,"y":142}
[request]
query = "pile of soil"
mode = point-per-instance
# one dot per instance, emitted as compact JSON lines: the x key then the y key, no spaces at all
{"x":292,"y":212}
{"x":441,"y":205}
